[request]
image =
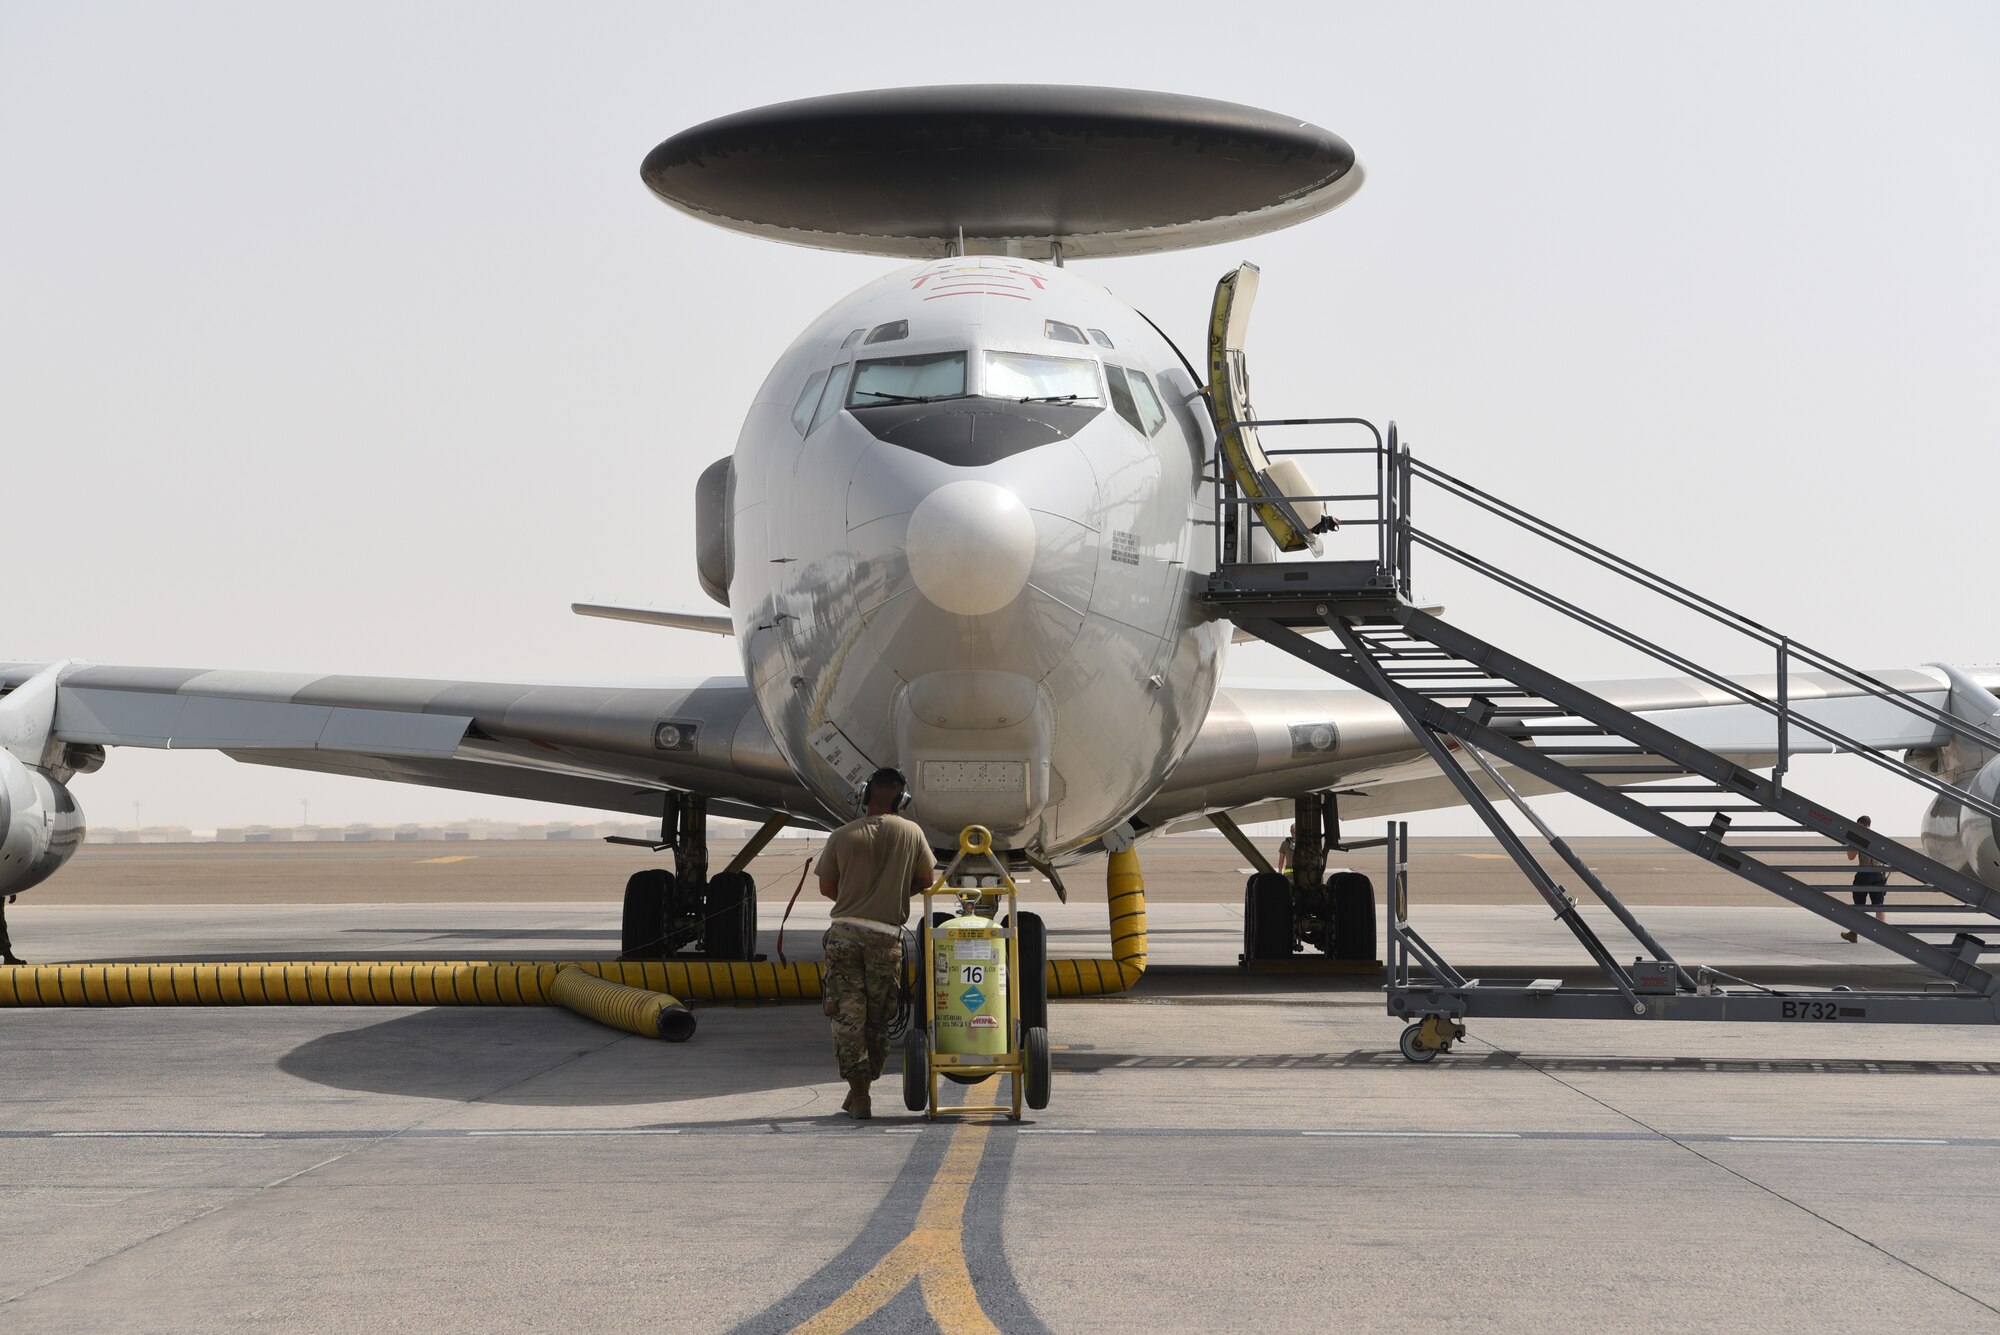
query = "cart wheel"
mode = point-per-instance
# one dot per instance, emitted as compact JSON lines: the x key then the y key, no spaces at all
{"x":1035,"y":1067}
{"x":1412,"y":1044}
{"x":1034,"y":979}
{"x":916,"y":1069}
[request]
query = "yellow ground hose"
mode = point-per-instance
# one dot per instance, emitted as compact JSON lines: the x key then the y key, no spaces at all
{"x":530,"y":982}
{"x":1125,"y":893}
{"x":647,"y":1014}
{"x":650,"y":1012}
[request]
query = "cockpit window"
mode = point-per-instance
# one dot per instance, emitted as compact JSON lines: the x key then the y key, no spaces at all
{"x":1122,"y":401}
{"x":853,"y":337}
{"x":802,"y":411}
{"x":1101,"y":339}
{"x":829,"y":400}
{"x":938,"y":375}
{"x":1133,"y":398}
{"x":1030,"y":376}
{"x":1063,"y":333}
{"x":1151,"y":415}
{"x":889,"y":333}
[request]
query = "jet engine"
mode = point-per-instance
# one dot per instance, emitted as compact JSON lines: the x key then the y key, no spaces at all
{"x":1961,"y":837}
{"x":40,"y":825}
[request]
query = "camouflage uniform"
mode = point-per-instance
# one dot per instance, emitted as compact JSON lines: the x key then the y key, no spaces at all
{"x":860,"y":986}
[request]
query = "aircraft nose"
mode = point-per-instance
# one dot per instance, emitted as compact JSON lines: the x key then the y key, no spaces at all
{"x":971,"y":545}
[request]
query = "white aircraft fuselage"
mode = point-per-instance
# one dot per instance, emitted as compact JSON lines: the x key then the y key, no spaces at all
{"x":963,"y":542}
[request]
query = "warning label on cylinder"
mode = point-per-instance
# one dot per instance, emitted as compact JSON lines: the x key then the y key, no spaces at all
{"x":985,"y":1022}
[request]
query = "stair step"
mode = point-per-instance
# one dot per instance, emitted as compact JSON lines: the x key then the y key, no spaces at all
{"x":1442,"y":674}
{"x":1793,"y":848}
{"x":1502,"y":693}
{"x":1712,"y":808}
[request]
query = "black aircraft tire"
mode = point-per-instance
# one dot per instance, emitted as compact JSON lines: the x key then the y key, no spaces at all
{"x":1034,"y":979}
{"x":730,"y":932}
{"x":1267,"y":917}
{"x":1035,"y":1068}
{"x":1351,"y":899}
{"x":916,"y":1069}
{"x":646,"y":896}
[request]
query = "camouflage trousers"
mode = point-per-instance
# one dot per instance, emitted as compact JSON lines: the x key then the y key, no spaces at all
{"x":861,"y":987}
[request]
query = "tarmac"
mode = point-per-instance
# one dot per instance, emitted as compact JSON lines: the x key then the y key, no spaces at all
{"x":1222,"y":1152}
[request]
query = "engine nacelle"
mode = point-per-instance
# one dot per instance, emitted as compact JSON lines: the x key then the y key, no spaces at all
{"x":1962,"y":838}
{"x":714,"y":553}
{"x":41,"y":825}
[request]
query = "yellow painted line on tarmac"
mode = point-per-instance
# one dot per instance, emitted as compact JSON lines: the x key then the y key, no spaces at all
{"x":454,"y":857}
{"x":933,"y":1255}
{"x":1486,"y":857}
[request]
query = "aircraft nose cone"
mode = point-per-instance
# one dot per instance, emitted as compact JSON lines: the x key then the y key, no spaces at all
{"x":971,"y":545}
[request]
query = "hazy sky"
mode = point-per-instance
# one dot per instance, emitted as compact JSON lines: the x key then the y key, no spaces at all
{"x":345,"y":338}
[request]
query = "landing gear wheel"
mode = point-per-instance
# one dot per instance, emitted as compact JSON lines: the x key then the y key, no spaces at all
{"x":1035,"y":1068}
{"x":1267,"y":917}
{"x":1412,"y":1044}
{"x":730,"y":932}
{"x":1351,"y":905}
{"x":641,"y":932}
{"x":916,"y":1069}
{"x":1034,"y":979}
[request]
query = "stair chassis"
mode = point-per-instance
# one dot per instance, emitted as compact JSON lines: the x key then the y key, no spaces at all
{"x":1479,"y":719}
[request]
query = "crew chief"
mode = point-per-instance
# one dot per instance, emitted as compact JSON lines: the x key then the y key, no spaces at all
{"x":870,"y":869}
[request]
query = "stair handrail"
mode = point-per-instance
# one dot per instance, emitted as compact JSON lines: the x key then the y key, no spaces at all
{"x":1728,"y":616}
{"x":1786,"y":715}
{"x":1227,"y":504}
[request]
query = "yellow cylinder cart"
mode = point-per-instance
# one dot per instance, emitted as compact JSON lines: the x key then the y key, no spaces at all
{"x":976,"y":991}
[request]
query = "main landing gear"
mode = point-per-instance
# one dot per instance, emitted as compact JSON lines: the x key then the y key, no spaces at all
{"x":667,"y":912}
{"x":1304,"y":905}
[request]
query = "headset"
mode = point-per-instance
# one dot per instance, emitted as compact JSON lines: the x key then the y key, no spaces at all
{"x":887,"y":774}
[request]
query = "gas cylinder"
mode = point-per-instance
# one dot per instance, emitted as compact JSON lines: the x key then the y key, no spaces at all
{"x":970,"y":962}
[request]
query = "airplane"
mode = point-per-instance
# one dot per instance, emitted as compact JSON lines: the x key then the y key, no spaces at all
{"x":967,"y":529}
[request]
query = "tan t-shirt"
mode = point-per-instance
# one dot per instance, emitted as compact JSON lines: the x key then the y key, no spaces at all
{"x":873,"y":862}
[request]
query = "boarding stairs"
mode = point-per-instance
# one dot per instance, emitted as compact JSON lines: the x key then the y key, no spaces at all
{"x":1496,"y":723}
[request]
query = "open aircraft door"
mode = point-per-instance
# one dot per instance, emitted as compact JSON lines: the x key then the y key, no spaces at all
{"x":1293,"y":525}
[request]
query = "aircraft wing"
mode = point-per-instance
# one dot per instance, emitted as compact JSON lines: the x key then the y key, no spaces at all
{"x":1262,"y":746}
{"x":609,"y":748}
